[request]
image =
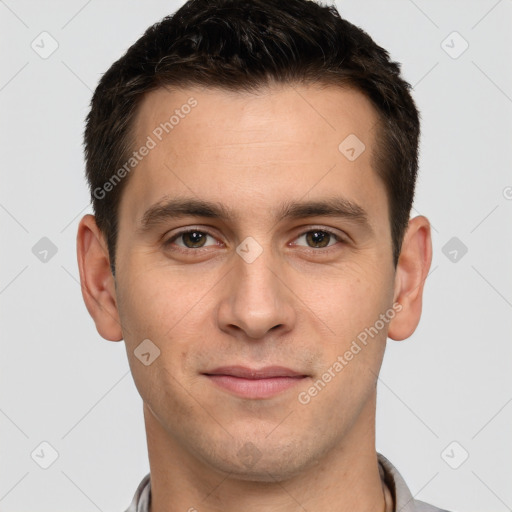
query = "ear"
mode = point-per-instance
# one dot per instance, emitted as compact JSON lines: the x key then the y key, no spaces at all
{"x":97,"y":281}
{"x":412,"y":270}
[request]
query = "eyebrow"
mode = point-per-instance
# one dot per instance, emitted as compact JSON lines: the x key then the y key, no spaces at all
{"x":174,"y":208}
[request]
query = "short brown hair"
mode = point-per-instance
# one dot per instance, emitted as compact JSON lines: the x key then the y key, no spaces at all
{"x":244,"y":46}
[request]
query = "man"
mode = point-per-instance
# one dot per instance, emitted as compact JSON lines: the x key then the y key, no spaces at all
{"x":252,"y":169}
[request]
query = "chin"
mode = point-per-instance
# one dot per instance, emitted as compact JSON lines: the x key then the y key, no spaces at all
{"x":262,"y":461}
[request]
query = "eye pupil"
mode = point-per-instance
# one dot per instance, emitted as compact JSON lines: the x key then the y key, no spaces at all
{"x":318,"y":238}
{"x":196,"y":238}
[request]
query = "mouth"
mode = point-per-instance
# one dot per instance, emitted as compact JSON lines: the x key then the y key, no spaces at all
{"x":255,"y":383}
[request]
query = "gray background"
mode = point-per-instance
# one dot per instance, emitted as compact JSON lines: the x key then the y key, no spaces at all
{"x":63,"y":384}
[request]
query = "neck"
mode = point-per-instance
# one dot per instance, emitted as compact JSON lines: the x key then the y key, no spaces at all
{"x":344,"y":479}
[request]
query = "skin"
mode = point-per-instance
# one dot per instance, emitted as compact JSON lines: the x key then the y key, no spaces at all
{"x":296,"y":305}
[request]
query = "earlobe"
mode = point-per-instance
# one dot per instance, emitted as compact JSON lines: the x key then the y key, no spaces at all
{"x":97,"y":282}
{"x":411,"y":273}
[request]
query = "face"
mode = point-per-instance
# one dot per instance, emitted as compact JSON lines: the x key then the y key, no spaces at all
{"x":249,"y":239}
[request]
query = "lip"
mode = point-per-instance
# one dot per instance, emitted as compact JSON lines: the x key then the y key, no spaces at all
{"x":253,"y":373}
{"x":255,"y":383}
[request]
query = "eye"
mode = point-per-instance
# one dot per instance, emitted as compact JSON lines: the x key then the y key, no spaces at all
{"x":190,"y":239}
{"x":319,"y":238}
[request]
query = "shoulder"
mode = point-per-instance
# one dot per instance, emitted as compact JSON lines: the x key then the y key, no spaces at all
{"x":421,"y":506}
{"x":142,"y":496}
{"x":403,"y":498}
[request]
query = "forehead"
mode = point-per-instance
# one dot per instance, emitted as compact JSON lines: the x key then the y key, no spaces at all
{"x":282,"y":142}
{"x":292,"y":112}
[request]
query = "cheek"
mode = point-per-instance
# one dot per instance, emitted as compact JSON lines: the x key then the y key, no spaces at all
{"x":349,"y":299}
{"x":160,"y":303}
{"x":173,"y":310}
{"x":150,"y":308}
{"x":353,"y":351}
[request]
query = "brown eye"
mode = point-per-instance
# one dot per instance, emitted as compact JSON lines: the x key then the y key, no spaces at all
{"x":318,"y":238}
{"x":191,"y":239}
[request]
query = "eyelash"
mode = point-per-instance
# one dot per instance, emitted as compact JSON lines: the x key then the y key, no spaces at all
{"x":324,"y":250}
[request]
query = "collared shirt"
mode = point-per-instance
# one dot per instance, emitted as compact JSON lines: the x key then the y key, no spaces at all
{"x":403,"y":500}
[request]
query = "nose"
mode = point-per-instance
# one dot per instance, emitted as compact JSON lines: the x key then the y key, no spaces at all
{"x":257,"y":299}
